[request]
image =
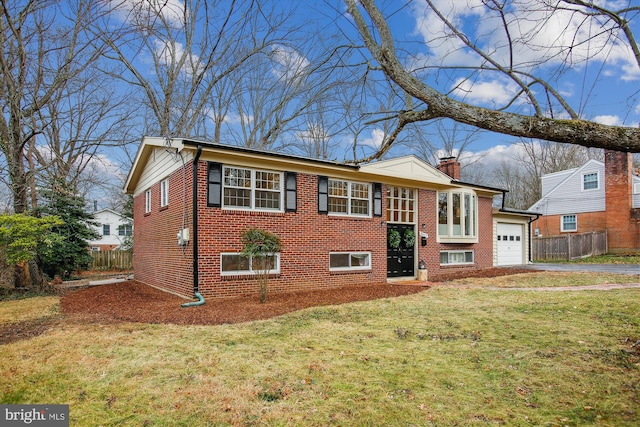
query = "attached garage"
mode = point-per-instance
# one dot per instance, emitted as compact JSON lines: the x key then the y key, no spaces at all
{"x":510,"y":243}
{"x":511,"y":237}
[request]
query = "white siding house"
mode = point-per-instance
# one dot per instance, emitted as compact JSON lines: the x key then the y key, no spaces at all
{"x":573,"y":191}
{"x":112,"y":227}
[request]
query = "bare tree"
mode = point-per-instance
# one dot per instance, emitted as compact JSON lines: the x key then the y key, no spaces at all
{"x":84,"y":117}
{"x":42,"y":48}
{"x":536,"y":107}
{"x":451,"y":139}
{"x":176,"y":53}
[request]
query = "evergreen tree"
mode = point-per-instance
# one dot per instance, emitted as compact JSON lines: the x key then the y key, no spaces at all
{"x":72,"y":253}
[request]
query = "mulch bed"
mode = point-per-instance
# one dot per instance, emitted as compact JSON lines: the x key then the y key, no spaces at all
{"x":132,"y":301}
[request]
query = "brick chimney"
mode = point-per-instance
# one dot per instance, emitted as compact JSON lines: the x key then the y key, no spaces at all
{"x":622,"y":230}
{"x":450,"y":166}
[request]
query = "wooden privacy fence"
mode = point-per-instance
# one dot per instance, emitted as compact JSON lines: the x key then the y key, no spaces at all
{"x":111,"y":260}
{"x":569,"y":246}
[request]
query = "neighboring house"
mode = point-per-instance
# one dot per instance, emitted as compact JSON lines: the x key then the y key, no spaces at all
{"x":113,"y":229}
{"x":339,"y":224}
{"x":596,"y":196}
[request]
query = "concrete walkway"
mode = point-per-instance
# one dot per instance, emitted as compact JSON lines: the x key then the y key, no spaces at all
{"x":603,"y":287}
{"x":596,"y":268}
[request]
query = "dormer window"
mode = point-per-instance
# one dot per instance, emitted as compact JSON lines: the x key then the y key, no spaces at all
{"x":590,"y":181}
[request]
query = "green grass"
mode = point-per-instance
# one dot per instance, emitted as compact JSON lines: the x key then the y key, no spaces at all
{"x":447,"y":356}
{"x":627,"y":258}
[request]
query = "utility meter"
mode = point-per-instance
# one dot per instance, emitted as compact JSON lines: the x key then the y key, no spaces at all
{"x":183,"y":237}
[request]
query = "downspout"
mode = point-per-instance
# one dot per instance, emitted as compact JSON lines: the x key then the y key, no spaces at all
{"x":529,"y":239}
{"x":194,"y":240}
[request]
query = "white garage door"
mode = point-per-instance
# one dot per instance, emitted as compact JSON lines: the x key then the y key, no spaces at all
{"x":510,"y":243}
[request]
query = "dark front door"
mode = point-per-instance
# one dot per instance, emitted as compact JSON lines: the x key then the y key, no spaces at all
{"x":400,"y":250}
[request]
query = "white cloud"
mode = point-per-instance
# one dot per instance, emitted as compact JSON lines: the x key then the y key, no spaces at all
{"x":288,"y":63}
{"x":170,"y":53}
{"x":539,"y":33}
{"x":375,"y":140}
{"x":143,"y":12}
{"x":493,"y":157}
{"x":608,"y":120}
{"x":492,"y":91}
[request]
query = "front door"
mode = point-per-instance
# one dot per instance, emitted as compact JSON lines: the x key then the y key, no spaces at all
{"x":400,"y":250}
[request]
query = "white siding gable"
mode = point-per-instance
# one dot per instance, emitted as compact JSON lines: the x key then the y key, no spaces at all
{"x":552,"y":180}
{"x":568,"y":195}
{"x":635,"y":202}
{"x":409,"y":167}
{"x":162,"y":163}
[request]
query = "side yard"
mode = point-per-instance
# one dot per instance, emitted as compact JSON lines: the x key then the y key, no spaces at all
{"x":461,"y":353}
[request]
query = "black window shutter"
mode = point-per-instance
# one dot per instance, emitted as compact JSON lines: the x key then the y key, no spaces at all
{"x":377,"y":199}
{"x":214,"y":187}
{"x":291,"y":194}
{"x":323,"y":194}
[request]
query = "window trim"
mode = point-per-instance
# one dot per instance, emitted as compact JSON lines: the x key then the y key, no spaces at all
{"x":350,"y":197}
{"x":562,"y":227}
{"x":449,"y":252}
{"x":252,"y":190}
{"x":249,"y":272}
{"x":106,"y":230}
{"x":147,"y":201}
{"x":597,"y":181}
{"x":164,"y":193}
{"x":463,"y":194}
{"x":351,"y":267}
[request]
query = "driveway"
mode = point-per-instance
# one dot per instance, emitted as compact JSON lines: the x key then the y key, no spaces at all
{"x":596,"y":268}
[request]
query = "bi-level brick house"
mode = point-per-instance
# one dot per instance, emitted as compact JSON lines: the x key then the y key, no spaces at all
{"x":596,"y":196}
{"x":339,"y":224}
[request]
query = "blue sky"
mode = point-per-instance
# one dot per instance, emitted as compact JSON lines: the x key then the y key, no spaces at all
{"x":600,"y":79}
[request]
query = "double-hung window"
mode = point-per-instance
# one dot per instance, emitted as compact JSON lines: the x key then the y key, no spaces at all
{"x":349,"y":198}
{"x":569,"y":223}
{"x":125,"y":230}
{"x":252,"y":189}
{"x":457,"y":216}
{"x":590,"y":181}
{"x":164,"y":193}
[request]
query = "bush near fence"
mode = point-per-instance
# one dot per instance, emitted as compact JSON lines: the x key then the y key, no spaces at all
{"x":569,"y":246}
{"x":111,"y":260}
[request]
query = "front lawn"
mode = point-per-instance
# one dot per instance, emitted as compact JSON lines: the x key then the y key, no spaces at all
{"x":454,"y":355}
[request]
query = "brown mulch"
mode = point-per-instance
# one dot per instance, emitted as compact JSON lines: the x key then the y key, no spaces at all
{"x":132,"y":301}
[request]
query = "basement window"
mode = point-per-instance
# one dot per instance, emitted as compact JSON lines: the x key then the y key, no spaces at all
{"x":235,"y":264}
{"x":348,"y":261}
{"x":456,"y":257}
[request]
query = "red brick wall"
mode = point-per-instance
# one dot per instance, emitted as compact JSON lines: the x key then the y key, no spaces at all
{"x":158,"y":260}
{"x":622,"y":231}
{"x":483,"y":250}
{"x":307,"y":239}
{"x":587,"y":222}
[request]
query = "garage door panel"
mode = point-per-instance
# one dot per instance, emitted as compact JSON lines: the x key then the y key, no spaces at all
{"x":510,"y":244}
